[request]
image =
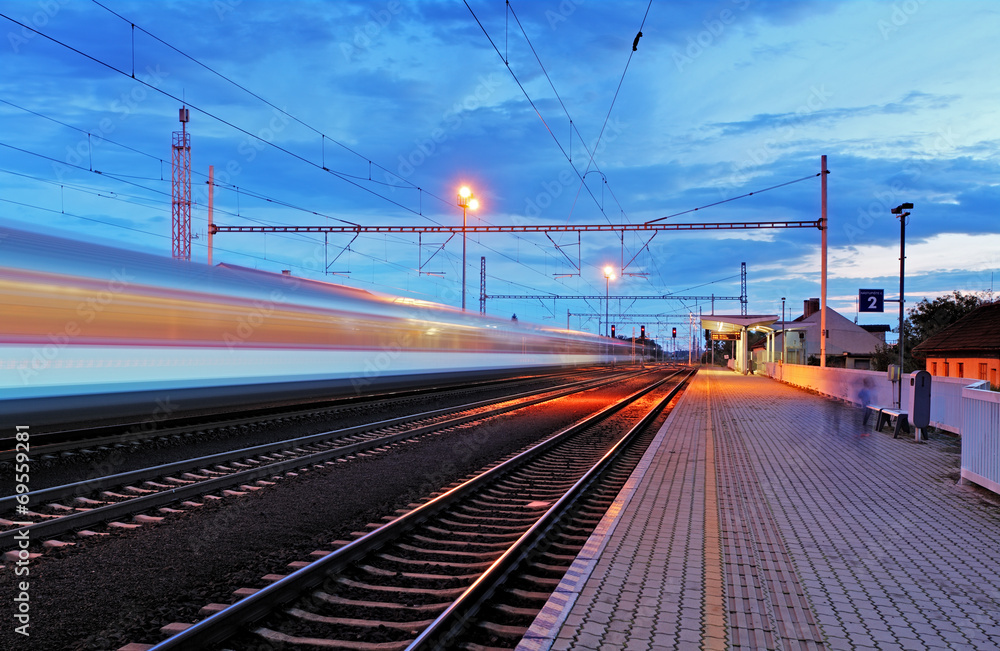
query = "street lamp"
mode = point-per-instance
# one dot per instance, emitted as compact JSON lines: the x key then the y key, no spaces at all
{"x":467,"y":200}
{"x":608,"y":277}
{"x":901,"y":211}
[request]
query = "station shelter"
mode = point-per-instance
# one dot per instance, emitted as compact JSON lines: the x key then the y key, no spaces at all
{"x":736,"y":328}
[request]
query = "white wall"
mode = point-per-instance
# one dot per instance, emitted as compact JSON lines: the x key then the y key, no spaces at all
{"x":845,"y":383}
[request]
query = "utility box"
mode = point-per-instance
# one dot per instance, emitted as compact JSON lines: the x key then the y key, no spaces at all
{"x":920,"y":396}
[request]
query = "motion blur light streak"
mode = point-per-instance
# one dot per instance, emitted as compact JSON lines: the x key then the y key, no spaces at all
{"x":102,"y":326}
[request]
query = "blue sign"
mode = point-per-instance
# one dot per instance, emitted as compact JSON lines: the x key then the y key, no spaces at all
{"x":871,"y":300}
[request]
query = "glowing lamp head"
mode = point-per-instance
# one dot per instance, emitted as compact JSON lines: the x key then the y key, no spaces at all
{"x":465,"y":197}
{"x":609,"y":272}
{"x":473,"y":204}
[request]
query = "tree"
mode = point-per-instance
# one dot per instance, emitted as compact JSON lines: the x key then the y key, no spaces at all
{"x":721,"y":350}
{"x":927,"y":318}
{"x":930,"y":317}
{"x":884,"y":355}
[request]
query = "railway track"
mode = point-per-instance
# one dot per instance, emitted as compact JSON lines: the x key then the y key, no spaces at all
{"x":467,"y":569}
{"x":149,"y":495}
{"x":89,"y":440}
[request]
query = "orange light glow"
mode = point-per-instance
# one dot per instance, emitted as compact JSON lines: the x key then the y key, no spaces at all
{"x":609,"y":272}
{"x":473,"y":204}
{"x":465,"y":192}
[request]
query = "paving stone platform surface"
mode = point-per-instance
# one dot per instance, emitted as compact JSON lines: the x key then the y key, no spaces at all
{"x":766,"y":517}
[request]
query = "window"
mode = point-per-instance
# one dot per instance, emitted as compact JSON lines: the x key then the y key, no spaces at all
{"x":993,"y":377}
{"x":945,"y":369}
{"x":961,"y":370}
{"x":982,"y":370}
{"x":933,"y":368}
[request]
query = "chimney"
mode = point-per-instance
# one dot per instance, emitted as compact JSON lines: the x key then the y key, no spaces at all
{"x":810,"y":306}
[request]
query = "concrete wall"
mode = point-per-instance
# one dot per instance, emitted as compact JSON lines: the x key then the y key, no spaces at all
{"x":946,"y":393}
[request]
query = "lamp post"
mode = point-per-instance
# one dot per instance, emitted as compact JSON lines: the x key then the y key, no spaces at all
{"x":783,"y":347}
{"x":901,"y":211}
{"x":608,"y":276}
{"x":467,"y":200}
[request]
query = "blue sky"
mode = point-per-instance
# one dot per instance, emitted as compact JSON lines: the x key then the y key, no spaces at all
{"x":720,"y":99}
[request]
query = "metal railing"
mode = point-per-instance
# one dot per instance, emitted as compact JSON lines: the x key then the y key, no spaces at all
{"x":981,"y":438}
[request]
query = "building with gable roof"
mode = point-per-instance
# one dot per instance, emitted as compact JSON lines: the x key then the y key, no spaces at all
{"x":968,"y":348}
{"x":848,"y":345}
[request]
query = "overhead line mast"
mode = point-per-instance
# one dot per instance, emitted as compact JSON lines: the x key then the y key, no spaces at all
{"x":180,"y":190}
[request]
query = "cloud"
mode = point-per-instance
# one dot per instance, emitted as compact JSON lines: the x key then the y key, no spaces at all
{"x":910,"y":104}
{"x":782,"y":84}
{"x":939,"y":253}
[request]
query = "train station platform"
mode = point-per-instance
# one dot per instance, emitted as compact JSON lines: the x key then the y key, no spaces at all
{"x":766,"y":517}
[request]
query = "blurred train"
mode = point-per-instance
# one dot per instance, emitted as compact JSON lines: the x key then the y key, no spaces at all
{"x":91,"y":331}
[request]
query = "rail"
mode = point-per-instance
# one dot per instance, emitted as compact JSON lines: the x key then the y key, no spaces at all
{"x":374,"y":434}
{"x":442,"y":633}
{"x":227,"y":622}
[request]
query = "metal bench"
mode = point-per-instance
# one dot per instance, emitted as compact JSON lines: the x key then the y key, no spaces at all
{"x":889,"y":416}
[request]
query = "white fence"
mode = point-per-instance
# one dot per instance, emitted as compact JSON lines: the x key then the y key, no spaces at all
{"x":980,"y":438}
{"x":846,"y":383}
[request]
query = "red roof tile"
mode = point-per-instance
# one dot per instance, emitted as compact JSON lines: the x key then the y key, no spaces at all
{"x":976,"y":331}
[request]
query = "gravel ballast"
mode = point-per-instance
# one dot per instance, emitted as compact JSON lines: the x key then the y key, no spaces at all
{"x":122,"y":588}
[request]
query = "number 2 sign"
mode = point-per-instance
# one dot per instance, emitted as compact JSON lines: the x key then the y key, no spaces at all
{"x":871,"y":300}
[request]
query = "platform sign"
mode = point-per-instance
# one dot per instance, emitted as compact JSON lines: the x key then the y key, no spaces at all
{"x":871,"y":300}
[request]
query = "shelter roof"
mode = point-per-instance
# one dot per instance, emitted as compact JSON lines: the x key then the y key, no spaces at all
{"x":736,"y":322}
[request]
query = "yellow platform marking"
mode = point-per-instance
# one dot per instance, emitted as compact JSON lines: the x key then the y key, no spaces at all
{"x":713,"y":601}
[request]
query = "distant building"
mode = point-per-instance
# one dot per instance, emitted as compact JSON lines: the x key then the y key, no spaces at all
{"x":878,"y":330}
{"x":968,"y":348}
{"x":851,"y":345}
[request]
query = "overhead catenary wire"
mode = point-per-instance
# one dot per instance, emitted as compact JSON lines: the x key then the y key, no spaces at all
{"x":342,"y":176}
{"x":121,"y":176}
{"x":573,"y":127}
{"x":284,"y":112}
{"x":284,"y":263}
{"x":742,"y":196}
{"x":116,"y":175}
{"x":113,"y":68}
{"x":620,"y":81}
{"x":527,"y":96}
{"x":537,"y":111}
{"x":83,"y":131}
{"x":218,"y":209}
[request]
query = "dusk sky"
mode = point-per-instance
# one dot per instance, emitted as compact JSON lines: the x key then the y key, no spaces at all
{"x":719,"y":99}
